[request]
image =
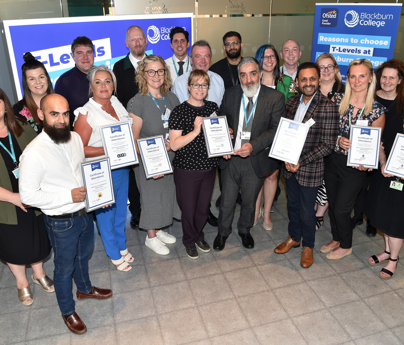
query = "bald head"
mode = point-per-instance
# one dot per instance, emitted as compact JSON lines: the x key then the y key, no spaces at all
{"x":51,"y":99}
{"x":291,"y":54}
{"x":54,"y":111}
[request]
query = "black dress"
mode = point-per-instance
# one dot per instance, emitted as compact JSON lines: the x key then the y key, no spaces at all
{"x":27,"y":242}
{"x":385,"y":205}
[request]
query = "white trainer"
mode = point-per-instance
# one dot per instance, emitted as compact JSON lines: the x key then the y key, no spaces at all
{"x":165,"y":237}
{"x":157,"y":246}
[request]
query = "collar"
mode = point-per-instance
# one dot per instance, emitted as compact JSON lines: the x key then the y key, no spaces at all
{"x":301,"y":103}
{"x":285,"y":71}
{"x":135,"y":61}
{"x":176,"y":60}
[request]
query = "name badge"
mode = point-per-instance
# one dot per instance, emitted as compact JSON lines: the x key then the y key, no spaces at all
{"x":166,"y":115}
{"x":16,"y":173}
{"x":363,"y":123}
{"x":168,"y":137}
{"x":396,"y":185}
{"x":165,"y":124}
{"x":245,"y":135}
{"x":310,"y":123}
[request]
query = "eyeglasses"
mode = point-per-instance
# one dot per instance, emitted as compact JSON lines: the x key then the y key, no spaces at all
{"x":152,"y":72}
{"x":197,"y":86}
{"x":327,"y":68}
{"x":228,"y":44}
{"x":269,"y":57}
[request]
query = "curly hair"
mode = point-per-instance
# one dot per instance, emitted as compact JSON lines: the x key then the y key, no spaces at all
{"x":338,"y":77}
{"x":141,"y":71}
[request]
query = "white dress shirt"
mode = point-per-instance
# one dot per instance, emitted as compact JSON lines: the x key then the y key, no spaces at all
{"x":302,"y":109}
{"x":135,"y":61}
{"x":49,"y":172}
{"x":170,"y":64}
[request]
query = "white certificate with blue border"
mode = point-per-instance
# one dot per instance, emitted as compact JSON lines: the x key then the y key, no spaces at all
{"x":98,"y":182}
{"x":154,"y":156}
{"x":289,"y":141}
{"x":365,"y":144}
{"x":395,"y":162}
{"x":119,"y":145}
{"x":217,"y":136}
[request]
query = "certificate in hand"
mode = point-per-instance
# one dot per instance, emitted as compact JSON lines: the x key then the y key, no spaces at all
{"x":289,"y":140}
{"x":98,"y":182}
{"x":217,"y":136}
{"x":365,"y":144}
{"x":395,"y":162}
{"x":154,"y":156}
{"x":119,"y":145}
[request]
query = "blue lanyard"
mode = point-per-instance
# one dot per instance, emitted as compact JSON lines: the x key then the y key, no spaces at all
{"x":12,"y":153}
{"x":176,"y":66}
{"x":165,"y":105}
{"x":245,"y":111}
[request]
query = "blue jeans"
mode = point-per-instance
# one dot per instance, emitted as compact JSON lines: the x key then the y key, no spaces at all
{"x":72,"y":240}
{"x":302,"y":216}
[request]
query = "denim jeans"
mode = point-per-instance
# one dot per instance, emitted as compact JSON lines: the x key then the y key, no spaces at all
{"x":72,"y":240}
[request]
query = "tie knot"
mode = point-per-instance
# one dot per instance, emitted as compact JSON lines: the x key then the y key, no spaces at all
{"x":181,"y":63}
{"x":250,"y":99}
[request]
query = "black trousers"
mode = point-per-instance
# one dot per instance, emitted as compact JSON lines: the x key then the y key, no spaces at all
{"x":133,"y":195}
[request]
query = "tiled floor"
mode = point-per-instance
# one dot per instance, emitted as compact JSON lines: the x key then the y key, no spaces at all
{"x":236,"y":296}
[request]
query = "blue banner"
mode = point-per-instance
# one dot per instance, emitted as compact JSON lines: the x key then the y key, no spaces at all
{"x":355,"y":31}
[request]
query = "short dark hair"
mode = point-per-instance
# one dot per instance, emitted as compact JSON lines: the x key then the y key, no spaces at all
{"x":82,"y":41}
{"x":178,"y":30}
{"x":307,"y":65}
{"x":231,"y":34}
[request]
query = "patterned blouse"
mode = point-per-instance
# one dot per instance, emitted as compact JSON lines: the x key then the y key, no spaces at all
{"x":377,"y":111}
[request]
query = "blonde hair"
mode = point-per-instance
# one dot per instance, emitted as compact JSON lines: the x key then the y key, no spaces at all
{"x":141,"y":79}
{"x":346,"y":100}
{"x":338,"y":76}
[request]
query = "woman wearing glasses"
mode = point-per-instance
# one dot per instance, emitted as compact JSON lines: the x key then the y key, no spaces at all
{"x":150,"y":110}
{"x":194,"y":172}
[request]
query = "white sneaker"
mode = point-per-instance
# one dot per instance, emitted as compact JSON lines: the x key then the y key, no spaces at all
{"x":157,"y":246}
{"x":165,"y":237}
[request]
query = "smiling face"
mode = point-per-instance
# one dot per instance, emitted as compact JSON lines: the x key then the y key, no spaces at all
{"x":155,"y":82}
{"x":179,"y":45}
{"x":359,"y":78}
{"x":84,"y":58}
{"x":328,"y":69}
{"x":37,"y":82}
{"x":389,"y":80}
{"x":269,"y":60}
{"x":290,"y":54}
{"x":200,"y":59}
{"x":308,"y":82}
{"x":102,"y":86}
{"x":136,"y":42}
{"x":200,"y":93}
{"x":249,"y":78}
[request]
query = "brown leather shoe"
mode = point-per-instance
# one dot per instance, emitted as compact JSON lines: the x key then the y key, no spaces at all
{"x":285,"y":246}
{"x":75,"y":324}
{"x":95,"y":293}
{"x":307,"y":257}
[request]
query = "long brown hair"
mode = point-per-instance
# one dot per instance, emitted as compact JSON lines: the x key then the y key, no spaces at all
{"x":9,"y":118}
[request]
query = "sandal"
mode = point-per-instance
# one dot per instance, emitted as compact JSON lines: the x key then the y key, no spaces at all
{"x":25,"y":296}
{"x":376,"y":260}
{"x":319,"y":222}
{"x":45,"y":282}
{"x":121,"y":265}
{"x":127,"y":256}
{"x":385,"y":270}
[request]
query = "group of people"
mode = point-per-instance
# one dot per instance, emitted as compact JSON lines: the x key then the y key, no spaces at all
{"x":46,"y":136}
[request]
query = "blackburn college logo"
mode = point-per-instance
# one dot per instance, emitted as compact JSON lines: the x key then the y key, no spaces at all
{"x":351,"y":19}
{"x":155,"y":37}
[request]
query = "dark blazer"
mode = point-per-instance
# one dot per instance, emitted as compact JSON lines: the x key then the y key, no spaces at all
{"x":125,"y":76}
{"x":270,"y":108}
{"x":320,"y":141}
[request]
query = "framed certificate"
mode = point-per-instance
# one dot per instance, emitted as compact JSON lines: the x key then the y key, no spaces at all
{"x":365,"y":144}
{"x":98,"y":182}
{"x":119,"y":145}
{"x":217,"y":136}
{"x":289,"y":141}
{"x":154,"y":156}
{"x":395,"y":162}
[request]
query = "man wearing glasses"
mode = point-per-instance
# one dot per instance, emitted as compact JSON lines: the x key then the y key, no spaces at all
{"x":227,"y":67}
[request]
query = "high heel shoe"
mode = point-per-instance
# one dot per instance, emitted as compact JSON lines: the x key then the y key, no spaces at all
{"x":319,"y":222}
{"x":386,"y":271}
{"x":267,"y":225}
{"x":376,"y":260}
{"x":45,"y":282}
{"x":25,"y":295}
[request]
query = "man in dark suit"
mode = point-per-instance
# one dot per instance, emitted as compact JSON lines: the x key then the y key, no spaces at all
{"x":253,"y":113}
{"x":303,"y":179}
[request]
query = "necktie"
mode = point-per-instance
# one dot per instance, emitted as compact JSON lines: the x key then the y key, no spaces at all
{"x":181,"y":69}
{"x":249,"y":109}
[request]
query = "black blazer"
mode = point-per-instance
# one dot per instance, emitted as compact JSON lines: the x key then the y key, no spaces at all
{"x":125,"y":76}
{"x":270,"y":108}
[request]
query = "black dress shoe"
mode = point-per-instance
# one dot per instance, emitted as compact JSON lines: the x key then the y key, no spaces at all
{"x":219,"y":242}
{"x":371,"y":231}
{"x":212,"y":220}
{"x":247,"y":240}
{"x":218,"y":201}
{"x":134,"y":222}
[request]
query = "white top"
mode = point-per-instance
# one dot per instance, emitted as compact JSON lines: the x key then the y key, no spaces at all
{"x":215,"y":92}
{"x":170,"y":64}
{"x":49,"y":172}
{"x":134,"y":61}
{"x":237,"y":144}
{"x":97,"y":117}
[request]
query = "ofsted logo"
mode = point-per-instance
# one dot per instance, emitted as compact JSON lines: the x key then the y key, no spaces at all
{"x":329,"y":17}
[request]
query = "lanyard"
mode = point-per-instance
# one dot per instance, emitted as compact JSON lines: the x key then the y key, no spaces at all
{"x":176,"y":66}
{"x":164,"y":100}
{"x":232,"y":76}
{"x":12,"y":153}
{"x":245,"y":111}
{"x":350,"y":114}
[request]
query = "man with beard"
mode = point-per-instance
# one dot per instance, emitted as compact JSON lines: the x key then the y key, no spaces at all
{"x":227,"y":67}
{"x":179,"y":63}
{"x":303,"y":179}
{"x":51,"y":179}
{"x":253,"y":113}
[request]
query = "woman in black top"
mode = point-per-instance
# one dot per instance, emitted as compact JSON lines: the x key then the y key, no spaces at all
{"x":194,"y":172}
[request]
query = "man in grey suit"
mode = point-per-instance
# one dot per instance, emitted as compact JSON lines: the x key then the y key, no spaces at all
{"x":253,"y":112}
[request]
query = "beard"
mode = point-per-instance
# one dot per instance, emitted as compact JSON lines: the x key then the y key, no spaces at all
{"x":250,"y":91}
{"x":235,"y":54}
{"x":58,"y":135}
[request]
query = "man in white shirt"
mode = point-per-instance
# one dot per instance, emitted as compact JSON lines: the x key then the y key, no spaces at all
{"x":51,"y":179}
{"x":290,"y":53}
{"x":179,"y":63}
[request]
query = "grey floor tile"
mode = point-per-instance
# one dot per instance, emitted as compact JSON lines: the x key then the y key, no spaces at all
{"x":246,"y":281}
{"x":63,"y":339}
{"x":205,"y":265}
{"x":210,"y":289}
{"x":263,"y":253}
{"x":281,"y":273}
{"x":365,"y":250}
{"x":41,"y":297}
{"x":98,"y":262}
{"x":6,"y":278}
{"x":279,"y":333}
{"x":96,"y":313}
{"x":359,"y":236}
{"x":200,"y":342}
{"x":172,"y":297}
{"x":231,"y":242}
{"x":298,"y":299}
{"x":134,"y":279}
{"x":320,"y":328}
{"x":399,"y":332}
{"x":259,"y":234}
{"x":9,"y":301}
{"x":8,"y":330}
{"x":244,"y":337}
{"x":134,"y":236}
{"x":231,"y":259}
{"x":144,"y":331}
{"x":182,"y":326}
{"x":165,"y":272}
{"x":385,"y":338}
{"x":279,"y":233}
{"x":346,"y":264}
{"x":389,"y":307}
{"x":358,"y":319}
{"x":103,"y":335}
{"x":101,"y":279}
{"x":262,"y":308}
{"x":319,"y":269}
{"x":223,"y":317}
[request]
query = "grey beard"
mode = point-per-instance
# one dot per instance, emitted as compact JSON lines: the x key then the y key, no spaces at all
{"x":250,"y":91}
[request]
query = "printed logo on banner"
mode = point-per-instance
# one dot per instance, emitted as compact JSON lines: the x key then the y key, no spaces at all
{"x":156,"y":34}
{"x":351,"y":18}
{"x":329,"y":17}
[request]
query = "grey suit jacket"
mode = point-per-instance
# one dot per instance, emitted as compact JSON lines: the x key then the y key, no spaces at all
{"x":270,"y":108}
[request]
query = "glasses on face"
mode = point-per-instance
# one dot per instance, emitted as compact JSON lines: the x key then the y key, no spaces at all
{"x":269,"y":57}
{"x":327,"y":68}
{"x":152,"y":72}
{"x":197,"y":86}
{"x":229,"y":44}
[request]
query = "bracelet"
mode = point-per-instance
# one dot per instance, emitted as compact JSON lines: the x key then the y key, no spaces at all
{"x":381,"y":163}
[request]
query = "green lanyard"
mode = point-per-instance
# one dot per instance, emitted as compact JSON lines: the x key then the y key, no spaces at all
{"x":12,"y":153}
{"x":176,"y":66}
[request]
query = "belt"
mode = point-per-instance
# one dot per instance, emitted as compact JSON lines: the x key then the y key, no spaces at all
{"x":70,"y":215}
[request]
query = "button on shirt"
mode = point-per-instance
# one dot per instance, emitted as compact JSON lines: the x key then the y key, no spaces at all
{"x":302,"y":109}
{"x":48,"y":173}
